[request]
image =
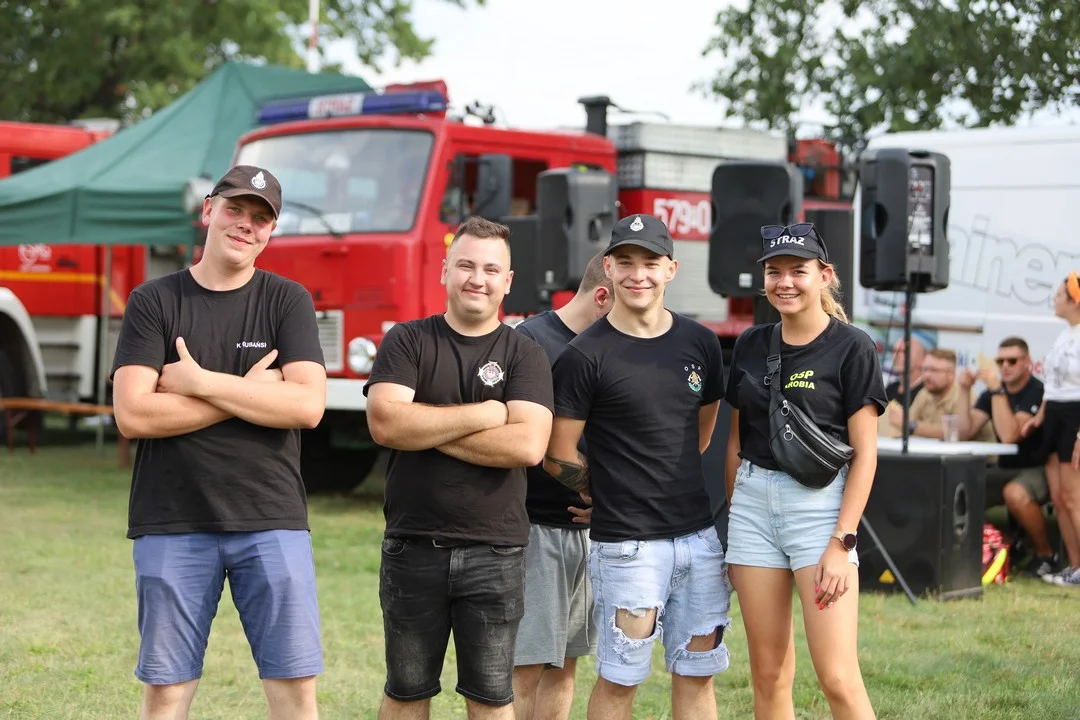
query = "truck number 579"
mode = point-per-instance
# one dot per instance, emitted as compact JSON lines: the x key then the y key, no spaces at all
{"x":684,"y":217}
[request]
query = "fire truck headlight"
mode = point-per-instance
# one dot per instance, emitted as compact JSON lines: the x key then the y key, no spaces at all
{"x":361,"y":355}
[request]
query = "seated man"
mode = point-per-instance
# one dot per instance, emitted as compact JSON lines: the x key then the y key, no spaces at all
{"x":1008,"y":403}
{"x":937,"y":398}
{"x":895,"y":389}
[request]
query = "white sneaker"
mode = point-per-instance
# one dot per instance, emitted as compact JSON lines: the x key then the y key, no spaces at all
{"x":1070,"y":580}
{"x":1058,"y":577}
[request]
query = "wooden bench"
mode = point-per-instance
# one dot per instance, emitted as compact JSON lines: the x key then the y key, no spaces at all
{"x":19,"y":408}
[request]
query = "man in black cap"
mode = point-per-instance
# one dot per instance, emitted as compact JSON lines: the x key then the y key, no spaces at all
{"x":217,"y":369}
{"x":644,"y":386}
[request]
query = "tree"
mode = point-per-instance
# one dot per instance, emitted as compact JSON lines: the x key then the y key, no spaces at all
{"x":896,"y":64}
{"x":67,"y":59}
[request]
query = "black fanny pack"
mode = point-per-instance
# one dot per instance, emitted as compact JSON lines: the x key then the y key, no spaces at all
{"x":799,"y":446}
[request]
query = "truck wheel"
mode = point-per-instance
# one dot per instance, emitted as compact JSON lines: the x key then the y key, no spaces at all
{"x":12,"y":383}
{"x":329,"y":469}
{"x":336,"y":471}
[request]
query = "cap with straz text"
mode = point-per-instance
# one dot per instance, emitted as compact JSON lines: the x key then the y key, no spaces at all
{"x":809,"y":246}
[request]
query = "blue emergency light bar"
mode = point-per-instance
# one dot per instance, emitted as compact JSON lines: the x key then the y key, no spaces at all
{"x":345,"y":104}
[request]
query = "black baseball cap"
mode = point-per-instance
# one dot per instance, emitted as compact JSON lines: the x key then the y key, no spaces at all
{"x":799,"y":240}
{"x":250,"y":180}
{"x":644,"y":231}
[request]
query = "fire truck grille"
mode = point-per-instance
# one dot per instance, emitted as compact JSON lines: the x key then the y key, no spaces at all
{"x":331,"y":328}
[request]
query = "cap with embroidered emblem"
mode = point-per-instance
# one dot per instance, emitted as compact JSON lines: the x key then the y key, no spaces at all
{"x":250,"y":180}
{"x":644,"y":231}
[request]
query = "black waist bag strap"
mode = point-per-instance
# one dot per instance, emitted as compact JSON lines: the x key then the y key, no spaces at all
{"x":798,"y":445}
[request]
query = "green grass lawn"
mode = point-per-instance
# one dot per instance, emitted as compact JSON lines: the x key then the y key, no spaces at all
{"x":68,"y":635}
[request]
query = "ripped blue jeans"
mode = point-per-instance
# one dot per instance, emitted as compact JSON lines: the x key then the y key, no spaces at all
{"x":684,"y":579}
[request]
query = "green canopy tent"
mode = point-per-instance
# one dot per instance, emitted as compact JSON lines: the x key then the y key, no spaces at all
{"x":129,"y":189}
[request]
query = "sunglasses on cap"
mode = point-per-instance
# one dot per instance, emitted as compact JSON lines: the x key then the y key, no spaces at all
{"x":798,"y":230}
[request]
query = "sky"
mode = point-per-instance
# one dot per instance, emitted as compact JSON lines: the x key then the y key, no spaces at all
{"x":534,"y":64}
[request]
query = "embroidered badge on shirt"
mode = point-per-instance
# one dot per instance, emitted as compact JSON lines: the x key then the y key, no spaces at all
{"x":491,"y":374}
{"x":694,"y":378}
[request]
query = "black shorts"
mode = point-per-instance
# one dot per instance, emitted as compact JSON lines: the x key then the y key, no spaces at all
{"x":1059,"y":428}
{"x":476,"y":591}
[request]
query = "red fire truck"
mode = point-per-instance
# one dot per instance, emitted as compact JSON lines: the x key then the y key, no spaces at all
{"x":26,"y":145}
{"x":50,"y":296}
{"x":375,"y":184}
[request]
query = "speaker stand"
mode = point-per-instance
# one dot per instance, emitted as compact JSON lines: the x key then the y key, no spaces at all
{"x":909,"y":306}
{"x":865,"y":524}
{"x":905,"y":432}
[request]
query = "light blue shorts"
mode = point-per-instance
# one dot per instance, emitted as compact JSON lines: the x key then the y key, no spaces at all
{"x":685,"y":579}
{"x":179,"y":579}
{"x":778,"y":523}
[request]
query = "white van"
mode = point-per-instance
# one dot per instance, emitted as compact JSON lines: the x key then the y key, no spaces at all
{"x":1014,"y":235}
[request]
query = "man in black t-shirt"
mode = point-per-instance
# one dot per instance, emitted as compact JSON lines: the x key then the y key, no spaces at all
{"x":217,"y":369}
{"x":1008,"y":402}
{"x":644,"y":385}
{"x":557,"y":627}
{"x":465,"y":404}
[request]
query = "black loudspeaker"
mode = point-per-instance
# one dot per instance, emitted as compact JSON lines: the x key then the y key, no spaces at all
{"x":835,"y":227}
{"x":525,"y":297}
{"x":928,"y":513}
{"x":904,"y":211}
{"x":576,"y":209}
{"x":747,"y":195}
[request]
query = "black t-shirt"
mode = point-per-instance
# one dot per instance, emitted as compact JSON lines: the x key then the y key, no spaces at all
{"x":640,"y":399}
{"x":1028,"y":401}
{"x":234,"y":475}
{"x":830,"y":378}
{"x":893,"y":391}
{"x":546,"y":499}
{"x":430,"y":494}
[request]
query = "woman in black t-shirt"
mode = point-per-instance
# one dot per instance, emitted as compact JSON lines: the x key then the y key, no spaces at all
{"x":782,"y":532}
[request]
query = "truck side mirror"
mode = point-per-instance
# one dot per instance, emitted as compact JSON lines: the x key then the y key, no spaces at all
{"x":494,"y":186}
{"x":195,"y":191}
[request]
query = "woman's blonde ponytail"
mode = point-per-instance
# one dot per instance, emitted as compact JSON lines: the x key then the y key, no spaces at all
{"x":830,"y":296}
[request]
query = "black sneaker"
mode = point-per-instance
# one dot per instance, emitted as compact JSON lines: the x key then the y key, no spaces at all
{"x":1040,"y":566}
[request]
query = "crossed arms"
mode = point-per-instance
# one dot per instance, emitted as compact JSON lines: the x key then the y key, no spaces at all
{"x":184,"y":397}
{"x":488,"y":433}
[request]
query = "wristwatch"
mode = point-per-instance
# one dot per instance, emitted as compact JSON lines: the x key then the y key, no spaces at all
{"x":999,"y":391}
{"x":848,"y":539}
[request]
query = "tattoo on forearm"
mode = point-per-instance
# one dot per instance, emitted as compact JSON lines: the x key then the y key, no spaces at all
{"x":573,"y":475}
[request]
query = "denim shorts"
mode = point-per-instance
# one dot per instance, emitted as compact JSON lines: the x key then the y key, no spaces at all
{"x":476,"y":591}
{"x":179,"y":579}
{"x":684,"y":579}
{"x":776,"y":522}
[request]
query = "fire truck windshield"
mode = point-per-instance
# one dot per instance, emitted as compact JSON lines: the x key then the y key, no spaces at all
{"x":363,"y":180}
